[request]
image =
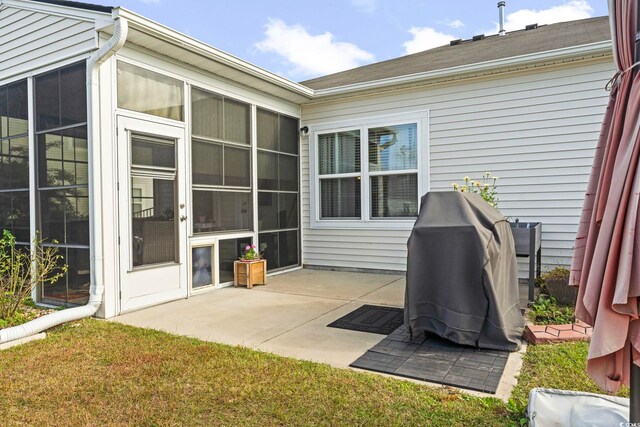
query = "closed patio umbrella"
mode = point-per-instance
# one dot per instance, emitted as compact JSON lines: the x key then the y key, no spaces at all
{"x":606,"y":260}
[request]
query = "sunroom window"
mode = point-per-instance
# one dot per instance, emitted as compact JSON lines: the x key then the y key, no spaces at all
{"x":148,"y":92}
{"x":221,"y":163}
{"x":14,"y":161}
{"x":62,"y":178}
{"x":278,"y":188}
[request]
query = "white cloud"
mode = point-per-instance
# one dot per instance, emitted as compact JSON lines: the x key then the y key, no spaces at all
{"x":311,"y":55}
{"x":425,"y":38}
{"x":568,"y":11}
{"x":367,"y":6}
{"x":456,"y":23}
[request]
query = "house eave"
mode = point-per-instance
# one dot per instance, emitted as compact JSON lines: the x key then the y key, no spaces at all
{"x":281,"y":86}
{"x":553,"y":56}
{"x":57,"y":9}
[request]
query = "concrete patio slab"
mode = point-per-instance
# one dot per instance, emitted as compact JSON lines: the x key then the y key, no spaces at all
{"x":330,"y":284}
{"x":392,"y":294}
{"x":289,"y":317}
{"x":233,"y":316}
{"x":315,"y":341}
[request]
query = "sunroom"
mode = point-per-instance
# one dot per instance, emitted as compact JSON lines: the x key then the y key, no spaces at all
{"x":150,"y":162}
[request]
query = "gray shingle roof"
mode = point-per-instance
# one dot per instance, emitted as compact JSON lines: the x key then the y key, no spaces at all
{"x":79,"y":5}
{"x":494,"y":47}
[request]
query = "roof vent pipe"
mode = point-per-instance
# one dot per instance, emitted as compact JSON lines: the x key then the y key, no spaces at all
{"x":501,"y":5}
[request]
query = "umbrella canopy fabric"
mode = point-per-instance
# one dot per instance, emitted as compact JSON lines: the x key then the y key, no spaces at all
{"x":606,"y":259}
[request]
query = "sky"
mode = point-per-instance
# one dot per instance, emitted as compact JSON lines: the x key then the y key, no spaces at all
{"x":309,"y":38}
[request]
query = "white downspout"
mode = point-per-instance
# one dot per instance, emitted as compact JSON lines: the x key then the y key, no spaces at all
{"x":96,"y":291}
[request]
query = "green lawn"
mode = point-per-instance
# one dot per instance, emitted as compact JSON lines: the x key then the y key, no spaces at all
{"x":100,"y":373}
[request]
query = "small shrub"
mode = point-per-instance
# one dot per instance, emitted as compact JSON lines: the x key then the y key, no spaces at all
{"x":558,"y":273}
{"x":21,"y":270}
{"x":556,"y":284}
{"x":545,"y":311}
{"x":18,"y":318}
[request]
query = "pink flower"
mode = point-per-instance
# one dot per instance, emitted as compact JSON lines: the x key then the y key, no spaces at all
{"x":247,"y":248}
{"x":254,"y":246}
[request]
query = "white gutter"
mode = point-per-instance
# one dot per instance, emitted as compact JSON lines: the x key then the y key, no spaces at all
{"x":95,"y":206}
{"x":598,"y":48}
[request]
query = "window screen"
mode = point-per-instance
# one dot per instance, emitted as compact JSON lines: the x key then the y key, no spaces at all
{"x":149,"y":92}
{"x":221,"y":163}
{"x":62,"y":178}
{"x":278,"y":189}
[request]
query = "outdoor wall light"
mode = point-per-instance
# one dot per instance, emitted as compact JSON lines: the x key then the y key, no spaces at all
{"x":304,"y":130}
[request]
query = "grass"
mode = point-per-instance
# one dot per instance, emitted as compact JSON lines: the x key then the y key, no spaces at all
{"x":101,"y":373}
{"x":559,"y":366}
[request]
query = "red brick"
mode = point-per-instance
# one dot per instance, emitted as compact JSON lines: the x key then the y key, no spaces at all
{"x":572,"y":336}
{"x":551,"y":334}
{"x":551,"y":330}
{"x":581,"y":323}
{"x":566,"y":327}
{"x":580,"y":329}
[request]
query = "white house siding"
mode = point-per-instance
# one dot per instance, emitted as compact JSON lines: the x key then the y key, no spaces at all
{"x":536,"y":130}
{"x":30,"y":40}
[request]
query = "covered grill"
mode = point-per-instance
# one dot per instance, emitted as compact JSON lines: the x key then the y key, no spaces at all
{"x":462,"y":277}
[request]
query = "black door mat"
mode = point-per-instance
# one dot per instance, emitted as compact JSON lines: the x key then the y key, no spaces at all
{"x":371,"y":318}
{"x":433,"y":359}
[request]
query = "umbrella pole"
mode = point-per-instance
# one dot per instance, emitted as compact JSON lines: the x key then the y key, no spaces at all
{"x":634,"y":387}
{"x":635,"y":70}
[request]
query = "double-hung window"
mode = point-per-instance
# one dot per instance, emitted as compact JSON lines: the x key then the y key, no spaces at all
{"x":370,"y":172}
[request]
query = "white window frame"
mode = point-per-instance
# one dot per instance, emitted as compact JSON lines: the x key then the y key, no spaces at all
{"x":420,"y":118}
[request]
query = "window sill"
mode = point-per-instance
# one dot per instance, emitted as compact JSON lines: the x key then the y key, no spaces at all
{"x":391,"y":224}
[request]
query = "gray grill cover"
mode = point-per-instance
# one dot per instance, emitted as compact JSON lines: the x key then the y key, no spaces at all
{"x":462,"y":277}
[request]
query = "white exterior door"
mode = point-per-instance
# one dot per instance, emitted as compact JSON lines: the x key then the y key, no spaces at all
{"x":151,"y":211}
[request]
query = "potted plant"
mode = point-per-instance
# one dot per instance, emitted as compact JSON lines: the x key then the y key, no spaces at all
{"x":250,"y":269}
{"x":486,"y":188}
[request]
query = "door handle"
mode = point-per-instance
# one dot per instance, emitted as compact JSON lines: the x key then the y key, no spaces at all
{"x":183,"y":218}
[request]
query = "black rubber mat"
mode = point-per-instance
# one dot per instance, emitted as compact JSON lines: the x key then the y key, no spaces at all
{"x":371,"y":318}
{"x":433,"y":359}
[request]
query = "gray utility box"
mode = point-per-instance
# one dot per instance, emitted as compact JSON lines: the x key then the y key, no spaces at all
{"x":528,"y":240}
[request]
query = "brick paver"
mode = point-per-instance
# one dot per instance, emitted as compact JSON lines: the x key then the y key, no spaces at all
{"x":546,"y":334}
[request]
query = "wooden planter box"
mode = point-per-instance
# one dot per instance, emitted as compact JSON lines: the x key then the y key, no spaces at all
{"x":527,"y":237}
{"x":250,"y":273}
{"x":561,"y":291}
